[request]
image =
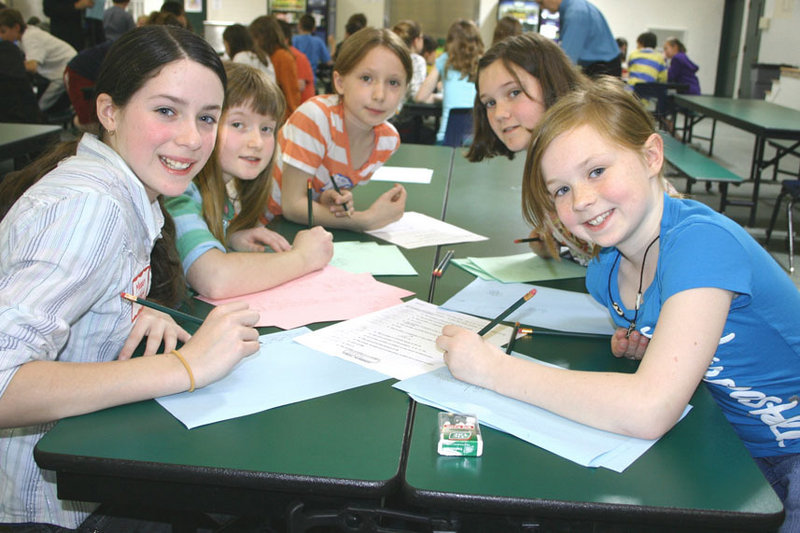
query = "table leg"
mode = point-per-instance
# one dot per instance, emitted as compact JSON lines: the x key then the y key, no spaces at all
{"x":755,"y":175}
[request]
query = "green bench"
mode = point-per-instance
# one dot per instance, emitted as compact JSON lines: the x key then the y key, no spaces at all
{"x":697,"y":167}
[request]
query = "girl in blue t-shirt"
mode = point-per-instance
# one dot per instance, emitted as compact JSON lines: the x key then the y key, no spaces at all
{"x":716,"y":307}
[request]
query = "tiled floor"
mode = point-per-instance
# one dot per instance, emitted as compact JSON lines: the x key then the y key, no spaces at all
{"x":733,"y":149}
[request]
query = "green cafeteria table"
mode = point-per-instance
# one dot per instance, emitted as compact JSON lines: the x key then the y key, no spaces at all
{"x":365,"y":459}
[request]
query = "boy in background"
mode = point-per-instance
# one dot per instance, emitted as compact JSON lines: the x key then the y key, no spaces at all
{"x":45,"y":55}
{"x":646,"y":64}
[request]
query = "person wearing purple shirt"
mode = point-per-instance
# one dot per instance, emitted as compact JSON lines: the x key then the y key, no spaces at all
{"x":681,"y":68}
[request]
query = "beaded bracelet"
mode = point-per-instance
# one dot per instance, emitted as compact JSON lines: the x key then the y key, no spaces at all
{"x":177,"y":354}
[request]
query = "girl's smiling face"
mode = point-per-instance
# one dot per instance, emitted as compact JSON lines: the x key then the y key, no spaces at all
{"x":604,"y":193}
{"x":513,"y":107}
{"x":373,"y":89}
{"x":246,"y":143}
{"x":166,"y":131}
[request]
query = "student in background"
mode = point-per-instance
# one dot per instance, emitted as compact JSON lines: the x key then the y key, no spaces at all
{"x":239,"y":46}
{"x":681,"y":68}
{"x":518,"y":79}
{"x":586,"y":37}
{"x":17,"y":99}
{"x":45,"y":55}
{"x":81,"y":234}
{"x":218,"y":217}
{"x":356,"y":22}
{"x":117,"y":20}
{"x":715,"y":304}
{"x":268,"y":36}
{"x":312,"y":46}
{"x":305,"y":74}
{"x":345,"y":137}
{"x":646,"y":64}
{"x":411,"y":33}
{"x":456,"y":68}
{"x":507,"y":26}
{"x":66,"y":22}
{"x":429,"y":46}
{"x":176,"y":8}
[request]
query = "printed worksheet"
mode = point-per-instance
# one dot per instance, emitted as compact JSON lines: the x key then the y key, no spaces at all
{"x":416,"y":230}
{"x":399,"y":341}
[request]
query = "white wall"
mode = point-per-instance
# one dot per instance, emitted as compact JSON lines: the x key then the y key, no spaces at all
{"x":779,"y":39}
{"x":701,"y":22}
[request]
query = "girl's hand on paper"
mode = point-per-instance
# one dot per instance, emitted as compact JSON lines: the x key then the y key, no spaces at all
{"x":157,"y":327}
{"x":315,"y":246}
{"x":388,"y":208}
{"x":335,"y":201}
{"x":468,"y":357}
{"x":632,"y":347}
{"x":255,"y":239}
{"x":226,"y":336}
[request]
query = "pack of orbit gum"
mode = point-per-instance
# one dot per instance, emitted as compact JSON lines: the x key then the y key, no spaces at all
{"x":459,"y":435}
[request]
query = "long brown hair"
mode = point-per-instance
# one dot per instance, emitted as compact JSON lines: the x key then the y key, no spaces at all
{"x":538,"y":56}
{"x":247,"y":87}
{"x":135,"y":58}
{"x":358,"y":45}
{"x":464,"y":46}
{"x":267,"y":34}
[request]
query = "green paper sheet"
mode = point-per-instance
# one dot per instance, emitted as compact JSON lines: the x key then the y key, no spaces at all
{"x":520,"y":268}
{"x":377,"y":259}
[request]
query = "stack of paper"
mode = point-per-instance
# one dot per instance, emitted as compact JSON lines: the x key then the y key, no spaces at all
{"x":323,"y":296}
{"x":521,"y":267}
{"x":377,"y":259}
{"x":550,"y":308}
{"x":281,"y":373}
{"x":416,"y":230}
{"x":579,"y":443}
{"x":399,"y":341}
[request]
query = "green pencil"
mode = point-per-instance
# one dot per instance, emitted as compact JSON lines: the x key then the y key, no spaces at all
{"x":336,"y":188}
{"x":516,"y":305}
{"x":309,"y":196}
{"x":171,"y":312}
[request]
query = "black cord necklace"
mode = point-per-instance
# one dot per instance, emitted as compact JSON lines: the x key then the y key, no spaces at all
{"x":615,"y":305}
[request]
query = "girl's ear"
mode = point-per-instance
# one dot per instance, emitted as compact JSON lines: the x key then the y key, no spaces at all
{"x":338,"y":83}
{"x":106,"y":112}
{"x":654,"y":153}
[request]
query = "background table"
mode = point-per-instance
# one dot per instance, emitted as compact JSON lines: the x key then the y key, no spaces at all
{"x":763,"y":119}
{"x":22,"y":141}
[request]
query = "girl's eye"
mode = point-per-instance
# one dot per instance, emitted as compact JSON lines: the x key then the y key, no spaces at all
{"x":165,"y":111}
{"x":514,"y":93}
{"x":596,"y":172}
{"x":394,"y":83}
{"x":366,"y":78}
{"x":488,"y":104}
{"x":237,"y":125}
{"x":561,"y":191}
{"x":209,"y":119}
{"x":267,"y":129}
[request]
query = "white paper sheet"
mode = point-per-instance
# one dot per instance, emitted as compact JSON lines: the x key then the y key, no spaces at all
{"x":399,"y":341}
{"x":550,"y":308}
{"x":281,"y":373}
{"x":403,"y":175}
{"x":579,"y":443}
{"x":416,"y":230}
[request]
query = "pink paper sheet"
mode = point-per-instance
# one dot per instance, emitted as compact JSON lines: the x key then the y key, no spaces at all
{"x":326,"y":295}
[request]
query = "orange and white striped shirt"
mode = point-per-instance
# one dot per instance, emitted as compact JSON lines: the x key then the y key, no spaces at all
{"x":314,"y":140}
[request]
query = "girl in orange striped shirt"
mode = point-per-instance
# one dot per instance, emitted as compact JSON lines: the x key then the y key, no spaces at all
{"x":340,"y":140}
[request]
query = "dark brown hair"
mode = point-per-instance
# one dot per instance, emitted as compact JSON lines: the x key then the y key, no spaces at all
{"x":267,"y":34}
{"x":538,"y":56}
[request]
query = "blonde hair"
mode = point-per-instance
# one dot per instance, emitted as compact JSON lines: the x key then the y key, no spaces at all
{"x":247,"y":87}
{"x":464,"y":47}
{"x":604,"y":105}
